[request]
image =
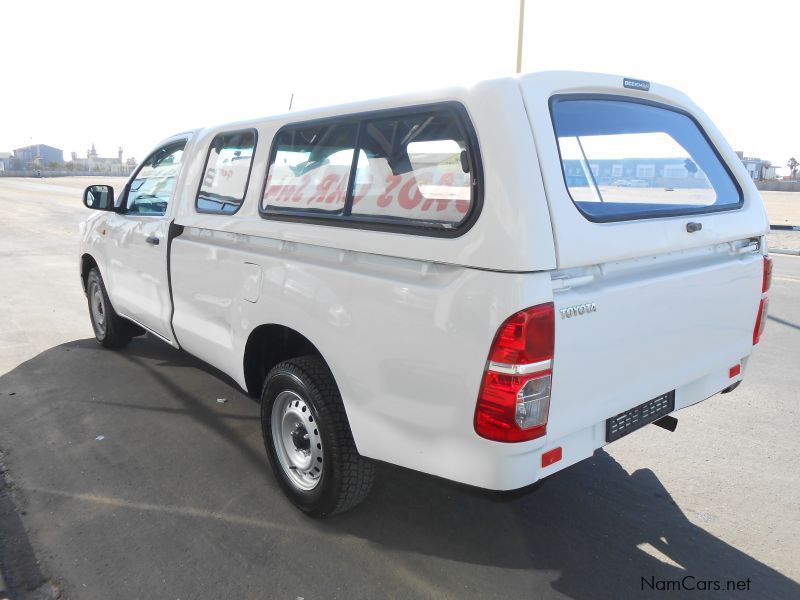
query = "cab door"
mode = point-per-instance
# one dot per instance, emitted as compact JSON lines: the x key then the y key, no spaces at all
{"x":138,"y":239}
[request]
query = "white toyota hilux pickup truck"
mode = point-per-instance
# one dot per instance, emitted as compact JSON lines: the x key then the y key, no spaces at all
{"x":483,"y":283}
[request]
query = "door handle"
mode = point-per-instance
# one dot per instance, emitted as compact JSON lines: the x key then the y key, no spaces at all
{"x":152,"y":240}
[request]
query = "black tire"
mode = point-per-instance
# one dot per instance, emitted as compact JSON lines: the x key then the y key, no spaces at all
{"x":110,"y":330}
{"x":345,"y":477}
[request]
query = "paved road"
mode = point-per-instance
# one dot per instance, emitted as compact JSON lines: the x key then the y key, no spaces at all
{"x":783,"y":207}
{"x":129,"y":480}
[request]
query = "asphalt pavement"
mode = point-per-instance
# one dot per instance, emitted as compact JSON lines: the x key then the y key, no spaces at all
{"x":126,"y":478}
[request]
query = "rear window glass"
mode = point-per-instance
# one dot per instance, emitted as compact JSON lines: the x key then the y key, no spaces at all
{"x":227,"y":172}
{"x":629,"y":160}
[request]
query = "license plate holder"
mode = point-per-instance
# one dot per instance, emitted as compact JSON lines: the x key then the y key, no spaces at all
{"x":637,"y":417}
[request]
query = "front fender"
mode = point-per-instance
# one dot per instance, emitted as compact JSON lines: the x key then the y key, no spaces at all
{"x":92,"y":246}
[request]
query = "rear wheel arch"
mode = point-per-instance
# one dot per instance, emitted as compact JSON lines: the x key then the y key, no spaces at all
{"x":271,"y":344}
{"x":308,"y":438}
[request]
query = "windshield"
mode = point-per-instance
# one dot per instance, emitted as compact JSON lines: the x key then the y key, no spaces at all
{"x":624,"y":159}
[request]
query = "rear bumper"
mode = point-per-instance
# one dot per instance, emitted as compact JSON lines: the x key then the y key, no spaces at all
{"x":522,"y":469}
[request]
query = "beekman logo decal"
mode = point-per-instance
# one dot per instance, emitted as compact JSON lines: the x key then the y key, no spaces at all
{"x":636,"y":84}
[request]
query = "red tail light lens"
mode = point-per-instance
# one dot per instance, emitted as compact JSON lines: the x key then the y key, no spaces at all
{"x":761,"y":320}
{"x":526,"y":337}
{"x":767,"y":281}
{"x":514,"y":400}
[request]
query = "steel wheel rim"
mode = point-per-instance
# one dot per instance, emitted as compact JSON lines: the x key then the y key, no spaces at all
{"x":98,"y":307}
{"x":298,"y":445}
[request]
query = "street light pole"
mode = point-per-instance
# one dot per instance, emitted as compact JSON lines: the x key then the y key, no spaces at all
{"x":519,"y":36}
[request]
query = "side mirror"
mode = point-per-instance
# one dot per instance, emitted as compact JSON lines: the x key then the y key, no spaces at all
{"x":99,"y":197}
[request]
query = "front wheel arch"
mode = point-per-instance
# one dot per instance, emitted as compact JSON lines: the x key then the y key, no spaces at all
{"x":87,"y":264}
{"x":111,"y":330}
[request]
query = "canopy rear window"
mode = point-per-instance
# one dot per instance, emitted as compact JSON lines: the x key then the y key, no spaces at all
{"x":624,"y":159}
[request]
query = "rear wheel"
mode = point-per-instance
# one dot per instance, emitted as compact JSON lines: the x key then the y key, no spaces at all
{"x":308,"y":439}
{"x":110,"y":330}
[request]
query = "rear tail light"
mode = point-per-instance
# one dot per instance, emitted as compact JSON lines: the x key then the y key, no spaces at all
{"x":514,"y":400}
{"x":761,"y":318}
{"x":767,"y":281}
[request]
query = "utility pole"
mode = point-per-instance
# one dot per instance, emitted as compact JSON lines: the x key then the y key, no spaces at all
{"x":519,"y":36}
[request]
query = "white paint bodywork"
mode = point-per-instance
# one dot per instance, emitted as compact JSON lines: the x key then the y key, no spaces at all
{"x":405,"y":322}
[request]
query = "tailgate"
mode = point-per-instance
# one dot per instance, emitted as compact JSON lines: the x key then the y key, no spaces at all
{"x":651,"y":326}
{"x":657,"y":230}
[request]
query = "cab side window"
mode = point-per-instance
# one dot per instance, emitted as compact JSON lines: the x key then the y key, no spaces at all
{"x":150,"y":191}
{"x":227,"y":172}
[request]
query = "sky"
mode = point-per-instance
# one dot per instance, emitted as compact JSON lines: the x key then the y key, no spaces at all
{"x":129,"y":74}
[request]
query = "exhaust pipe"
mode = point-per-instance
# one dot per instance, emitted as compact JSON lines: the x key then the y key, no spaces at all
{"x":669,"y":423}
{"x":730,"y":388}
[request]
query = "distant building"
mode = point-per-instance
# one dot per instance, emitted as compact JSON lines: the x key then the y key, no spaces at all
{"x":638,"y":172}
{"x":93,"y":162}
{"x":758,"y":168}
{"x":657,"y":172}
{"x":5,"y":157}
{"x":36,"y":156}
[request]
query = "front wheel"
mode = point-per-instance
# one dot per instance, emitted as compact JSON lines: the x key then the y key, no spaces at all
{"x":110,"y":330}
{"x":308,"y":439}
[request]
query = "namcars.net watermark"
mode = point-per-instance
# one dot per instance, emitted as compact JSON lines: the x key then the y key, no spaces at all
{"x":690,"y":583}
